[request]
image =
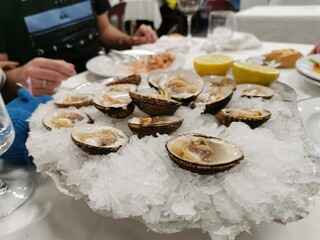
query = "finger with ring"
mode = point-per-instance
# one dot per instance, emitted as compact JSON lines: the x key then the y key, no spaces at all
{"x":44,"y":84}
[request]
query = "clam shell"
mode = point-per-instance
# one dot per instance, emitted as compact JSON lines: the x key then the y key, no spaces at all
{"x":160,"y":124}
{"x":191,"y":78}
{"x":256,"y":90}
{"x":68,"y":117}
{"x":251,"y":116}
{"x":92,"y":145}
{"x":225,"y":155}
{"x":74,"y":100}
{"x":214,"y":99}
{"x":219,"y":81}
{"x":124,"y":87}
{"x":154,"y":106}
{"x":132,"y":79}
{"x":115,"y":110}
{"x":154,"y":77}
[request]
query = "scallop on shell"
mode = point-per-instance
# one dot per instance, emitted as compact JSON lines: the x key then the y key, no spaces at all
{"x":255,"y":90}
{"x":65,"y":118}
{"x":185,"y":85}
{"x":203,"y":154}
{"x":143,"y":126}
{"x":154,"y":104}
{"x":114,"y":104}
{"x":219,"y":81}
{"x":96,"y":139}
{"x":74,"y":100}
{"x":251,"y":116}
{"x":131,"y":79}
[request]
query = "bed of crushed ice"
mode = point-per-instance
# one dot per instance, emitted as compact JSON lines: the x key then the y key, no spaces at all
{"x":276,"y":180}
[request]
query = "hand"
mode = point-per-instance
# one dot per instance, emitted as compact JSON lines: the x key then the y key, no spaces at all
{"x":316,"y":49}
{"x":144,"y":34}
{"x":8,"y":64}
{"x":43,"y":76}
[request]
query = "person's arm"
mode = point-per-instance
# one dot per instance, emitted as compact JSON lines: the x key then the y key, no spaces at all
{"x":40,"y":76}
{"x":316,"y":49}
{"x":114,"y":38}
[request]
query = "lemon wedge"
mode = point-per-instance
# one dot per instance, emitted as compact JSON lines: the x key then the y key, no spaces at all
{"x":252,"y":73}
{"x":212,"y":64}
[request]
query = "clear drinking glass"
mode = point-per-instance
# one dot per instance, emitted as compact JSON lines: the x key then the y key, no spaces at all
{"x":14,"y":191}
{"x":220,"y":28}
{"x":189,"y":8}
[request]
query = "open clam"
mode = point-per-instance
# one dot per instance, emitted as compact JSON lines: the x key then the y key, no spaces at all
{"x":214,"y":98}
{"x":124,"y":87}
{"x":154,"y":78}
{"x":74,"y":100}
{"x":219,"y":81}
{"x":256,"y":90}
{"x":251,"y":116}
{"x":203,"y":154}
{"x":131,"y":79}
{"x":154,"y":104}
{"x":98,"y":139}
{"x":114,"y":104}
{"x":65,"y":118}
{"x":185,"y":85}
{"x":152,"y":125}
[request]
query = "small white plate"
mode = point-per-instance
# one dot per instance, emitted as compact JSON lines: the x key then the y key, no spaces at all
{"x":105,"y":66}
{"x":305,"y":67}
{"x":309,"y":110}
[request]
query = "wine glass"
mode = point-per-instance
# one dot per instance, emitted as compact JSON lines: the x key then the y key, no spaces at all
{"x":189,"y":8}
{"x":14,"y":191}
{"x":220,"y":28}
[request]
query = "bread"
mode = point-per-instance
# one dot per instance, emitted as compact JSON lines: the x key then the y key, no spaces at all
{"x":286,"y":57}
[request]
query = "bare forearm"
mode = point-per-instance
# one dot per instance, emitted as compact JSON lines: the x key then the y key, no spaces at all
{"x":114,"y":38}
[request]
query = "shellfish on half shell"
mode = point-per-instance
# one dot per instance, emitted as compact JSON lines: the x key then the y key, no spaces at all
{"x":124,"y":87}
{"x":256,"y":90}
{"x":251,"y":116}
{"x":154,"y":78}
{"x":95,"y":139}
{"x":219,"y":81}
{"x":184,"y":85}
{"x":214,"y":98}
{"x":65,"y":118}
{"x":114,"y":104}
{"x":74,"y":100}
{"x":143,"y":126}
{"x":154,"y":104}
{"x":131,"y":79}
{"x":203,"y":154}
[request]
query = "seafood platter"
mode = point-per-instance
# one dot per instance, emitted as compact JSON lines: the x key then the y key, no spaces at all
{"x":177,"y":151}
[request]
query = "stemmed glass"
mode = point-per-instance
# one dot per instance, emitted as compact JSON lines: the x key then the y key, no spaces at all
{"x":189,"y":8}
{"x":220,"y":28}
{"x":14,"y":191}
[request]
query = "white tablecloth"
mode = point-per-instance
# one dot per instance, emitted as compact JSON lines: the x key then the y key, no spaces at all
{"x":295,"y":24}
{"x":143,"y":10}
{"x":50,"y":215}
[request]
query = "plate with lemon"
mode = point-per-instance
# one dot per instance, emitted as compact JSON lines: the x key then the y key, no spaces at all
{"x":243,"y":72}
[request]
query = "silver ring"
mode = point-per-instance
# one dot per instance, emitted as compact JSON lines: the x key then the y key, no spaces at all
{"x":44,"y":84}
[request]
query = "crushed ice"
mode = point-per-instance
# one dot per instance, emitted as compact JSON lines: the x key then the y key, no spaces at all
{"x":275,"y":181}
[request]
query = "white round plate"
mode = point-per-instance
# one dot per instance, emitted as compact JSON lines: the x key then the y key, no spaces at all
{"x":304,"y":66}
{"x":309,"y":110}
{"x":105,"y":66}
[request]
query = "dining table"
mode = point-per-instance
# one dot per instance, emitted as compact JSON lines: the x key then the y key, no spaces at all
{"x":281,"y":23}
{"x":53,"y":215}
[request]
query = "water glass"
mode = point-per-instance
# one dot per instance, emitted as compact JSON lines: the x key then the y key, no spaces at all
{"x":220,"y":28}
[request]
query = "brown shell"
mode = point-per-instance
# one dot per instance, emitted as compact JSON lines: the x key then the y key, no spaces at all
{"x":225,"y":117}
{"x":85,"y":102}
{"x":116,"y":112}
{"x":154,"y":106}
{"x":132,"y":79}
{"x":204,"y":168}
{"x":167,"y":127}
